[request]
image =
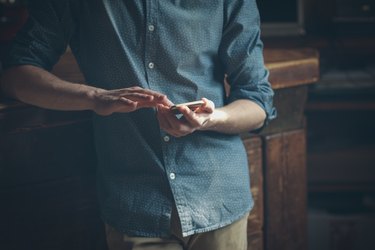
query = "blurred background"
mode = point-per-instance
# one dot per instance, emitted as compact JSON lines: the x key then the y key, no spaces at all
{"x":339,"y":115}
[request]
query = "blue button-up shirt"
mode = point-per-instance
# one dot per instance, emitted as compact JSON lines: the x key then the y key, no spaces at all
{"x":180,"y":48}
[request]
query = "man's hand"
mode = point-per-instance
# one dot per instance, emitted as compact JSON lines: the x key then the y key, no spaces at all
{"x":39,"y":87}
{"x":237,"y":117}
{"x":107,"y":102}
{"x":189,"y":122}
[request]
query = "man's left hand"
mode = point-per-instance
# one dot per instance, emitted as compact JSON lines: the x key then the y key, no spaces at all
{"x":190,"y":120}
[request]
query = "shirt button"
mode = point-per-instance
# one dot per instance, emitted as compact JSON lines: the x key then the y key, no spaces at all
{"x":151,"y":27}
{"x":166,"y":138}
{"x":172,"y":176}
{"x":151,"y":65}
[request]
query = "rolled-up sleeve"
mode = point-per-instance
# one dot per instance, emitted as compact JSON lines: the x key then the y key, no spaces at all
{"x":44,"y":37}
{"x":241,"y":52}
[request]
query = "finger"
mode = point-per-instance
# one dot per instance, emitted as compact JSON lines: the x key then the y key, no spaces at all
{"x":171,"y":124}
{"x":189,"y":116}
{"x":145,"y":100}
{"x":141,"y":99}
{"x":137,"y":96}
{"x":172,"y":120}
{"x":167,"y":126}
{"x":208,"y":106}
{"x":163,"y":99}
{"x":137,"y":90}
{"x":132,"y":105}
{"x":151,"y":101}
{"x":179,"y":127}
{"x":159,"y":97}
{"x":162,"y":119}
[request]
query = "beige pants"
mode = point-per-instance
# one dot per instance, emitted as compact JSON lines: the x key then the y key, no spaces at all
{"x":231,"y":237}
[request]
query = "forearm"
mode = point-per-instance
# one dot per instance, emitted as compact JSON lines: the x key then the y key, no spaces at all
{"x":236,"y":117}
{"x":38,"y":87}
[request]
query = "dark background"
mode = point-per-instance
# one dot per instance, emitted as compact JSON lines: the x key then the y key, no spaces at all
{"x":340,"y":118}
{"x":281,"y":11}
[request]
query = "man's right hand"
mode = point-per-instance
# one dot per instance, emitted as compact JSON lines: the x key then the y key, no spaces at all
{"x":125,"y":100}
{"x":36,"y":86}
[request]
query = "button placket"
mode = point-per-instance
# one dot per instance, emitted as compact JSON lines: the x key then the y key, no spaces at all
{"x":172,"y":176}
{"x":166,"y":138}
{"x":151,"y":27}
{"x":150,"y":54}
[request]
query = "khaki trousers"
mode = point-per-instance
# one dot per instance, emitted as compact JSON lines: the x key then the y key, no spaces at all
{"x":231,"y":237}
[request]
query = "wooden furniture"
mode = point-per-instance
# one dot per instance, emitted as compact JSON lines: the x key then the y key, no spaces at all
{"x":278,"y":155}
{"x":341,"y":117}
{"x":47,"y":183}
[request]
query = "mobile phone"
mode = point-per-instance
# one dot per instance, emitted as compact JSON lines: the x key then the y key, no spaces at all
{"x":192,"y":105}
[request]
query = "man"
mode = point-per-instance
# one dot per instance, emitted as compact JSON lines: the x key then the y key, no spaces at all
{"x":164,"y":181}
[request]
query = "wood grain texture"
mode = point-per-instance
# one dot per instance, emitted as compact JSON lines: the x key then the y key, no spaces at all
{"x":285,"y":191}
{"x":256,"y":218}
{"x":292,"y":67}
{"x":48,"y":154}
{"x":290,"y":105}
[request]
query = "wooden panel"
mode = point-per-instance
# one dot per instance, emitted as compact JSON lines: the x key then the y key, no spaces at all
{"x":285,"y":191}
{"x":255,"y":222}
{"x":23,"y":118}
{"x":290,"y":105}
{"x":47,"y":154}
{"x":341,"y":146}
{"x":300,"y":67}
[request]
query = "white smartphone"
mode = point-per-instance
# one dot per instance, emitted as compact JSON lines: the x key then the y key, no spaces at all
{"x":192,"y":105}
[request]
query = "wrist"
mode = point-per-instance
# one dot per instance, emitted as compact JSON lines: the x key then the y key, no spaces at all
{"x":92,"y":95}
{"x":215,"y":120}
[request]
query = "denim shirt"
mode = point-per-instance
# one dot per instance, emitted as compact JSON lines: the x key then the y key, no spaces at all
{"x":182,"y":48}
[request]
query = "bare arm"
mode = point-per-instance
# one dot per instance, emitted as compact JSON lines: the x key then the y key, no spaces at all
{"x":236,"y":117}
{"x":38,"y":87}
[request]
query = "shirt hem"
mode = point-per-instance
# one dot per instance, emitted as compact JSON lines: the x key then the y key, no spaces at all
{"x":136,"y":233}
{"x":219,"y":225}
{"x":132,"y":233}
